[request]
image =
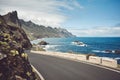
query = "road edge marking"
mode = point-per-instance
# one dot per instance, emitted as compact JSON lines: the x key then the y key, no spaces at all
{"x":39,"y":74}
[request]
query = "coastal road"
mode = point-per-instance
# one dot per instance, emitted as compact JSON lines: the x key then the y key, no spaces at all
{"x":53,"y":68}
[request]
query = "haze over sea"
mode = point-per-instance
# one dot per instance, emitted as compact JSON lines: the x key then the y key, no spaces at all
{"x":95,"y":45}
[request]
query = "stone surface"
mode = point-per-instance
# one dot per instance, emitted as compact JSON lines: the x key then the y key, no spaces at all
{"x":117,"y":51}
{"x":43,"y":43}
{"x":109,"y":62}
{"x":13,"y":41}
{"x":95,"y":59}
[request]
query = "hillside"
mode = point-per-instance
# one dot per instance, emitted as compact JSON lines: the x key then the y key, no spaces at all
{"x":35,"y":31}
{"x":14,"y":63}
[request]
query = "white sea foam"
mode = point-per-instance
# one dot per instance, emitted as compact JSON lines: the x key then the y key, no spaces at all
{"x":50,"y":47}
{"x":96,"y":51}
{"x":99,"y":51}
{"x":81,"y":44}
{"x":84,"y":45}
{"x":102,"y":51}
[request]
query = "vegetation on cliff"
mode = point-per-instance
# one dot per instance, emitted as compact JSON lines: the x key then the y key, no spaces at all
{"x":14,"y":64}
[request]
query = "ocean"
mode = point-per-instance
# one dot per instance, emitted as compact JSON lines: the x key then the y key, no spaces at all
{"x":100,"y":46}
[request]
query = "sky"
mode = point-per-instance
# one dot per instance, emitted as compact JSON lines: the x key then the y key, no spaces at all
{"x":84,"y":18}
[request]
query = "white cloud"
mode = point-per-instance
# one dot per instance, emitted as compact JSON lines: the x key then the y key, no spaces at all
{"x":45,"y":12}
{"x":97,"y":32}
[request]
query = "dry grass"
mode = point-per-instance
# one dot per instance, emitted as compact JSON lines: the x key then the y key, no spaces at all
{"x":119,"y":66}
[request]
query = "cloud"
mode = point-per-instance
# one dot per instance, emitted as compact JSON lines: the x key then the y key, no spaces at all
{"x":45,"y":12}
{"x":97,"y":32}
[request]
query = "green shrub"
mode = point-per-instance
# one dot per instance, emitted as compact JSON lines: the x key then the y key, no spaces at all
{"x":3,"y":43}
{"x":24,"y":55}
{"x":6,"y":35}
{"x":28,"y":73}
{"x":14,"y":52}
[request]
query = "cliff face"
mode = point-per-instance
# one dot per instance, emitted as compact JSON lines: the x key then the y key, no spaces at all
{"x":13,"y":27}
{"x":39,"y":31}
{"x":12,"y":19}
{"x":14,"y":64}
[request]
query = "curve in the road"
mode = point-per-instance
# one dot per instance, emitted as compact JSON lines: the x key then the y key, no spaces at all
{"x":53,"y":68}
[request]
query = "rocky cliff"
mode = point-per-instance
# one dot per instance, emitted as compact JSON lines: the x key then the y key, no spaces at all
{"x":12,"y":26}
{"x":14,"y":64}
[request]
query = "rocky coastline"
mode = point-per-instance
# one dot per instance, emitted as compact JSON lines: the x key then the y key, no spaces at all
{"x":14,"y":62}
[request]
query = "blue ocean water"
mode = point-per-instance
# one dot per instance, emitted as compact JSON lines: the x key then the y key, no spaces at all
{"x":96,"y":45}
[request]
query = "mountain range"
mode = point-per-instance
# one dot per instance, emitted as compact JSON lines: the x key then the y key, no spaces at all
{"x":35,"y":31}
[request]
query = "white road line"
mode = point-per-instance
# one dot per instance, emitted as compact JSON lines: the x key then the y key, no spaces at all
{"x":39,"y":74}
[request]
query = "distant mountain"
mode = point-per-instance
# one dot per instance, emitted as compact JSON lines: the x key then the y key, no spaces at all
{"x":35,"y":31}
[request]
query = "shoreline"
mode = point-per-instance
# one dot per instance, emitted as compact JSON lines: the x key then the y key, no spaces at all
{"x":105,"y":51}
{"x":82,"y":58}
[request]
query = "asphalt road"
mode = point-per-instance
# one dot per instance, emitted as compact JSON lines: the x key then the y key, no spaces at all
{"x":53,"y":68}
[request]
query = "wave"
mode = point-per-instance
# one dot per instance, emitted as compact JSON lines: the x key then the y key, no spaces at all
{"x":81,"y":44}
{"x":96,"y":51}
{"x":51,"y":47}
{"x":104,"y":51}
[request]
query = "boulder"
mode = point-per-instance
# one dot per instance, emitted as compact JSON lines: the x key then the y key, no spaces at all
{"x":43,"y":43}
{"x":117,"y":51}
{"x":108,"y":51}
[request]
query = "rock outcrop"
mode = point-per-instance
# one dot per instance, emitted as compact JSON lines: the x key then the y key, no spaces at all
{"x":14,"y":64}
{"x":12,"y":19}
{"x":117,"y":51}
{"x":13,"y":27}
{"x":43,"y":43}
